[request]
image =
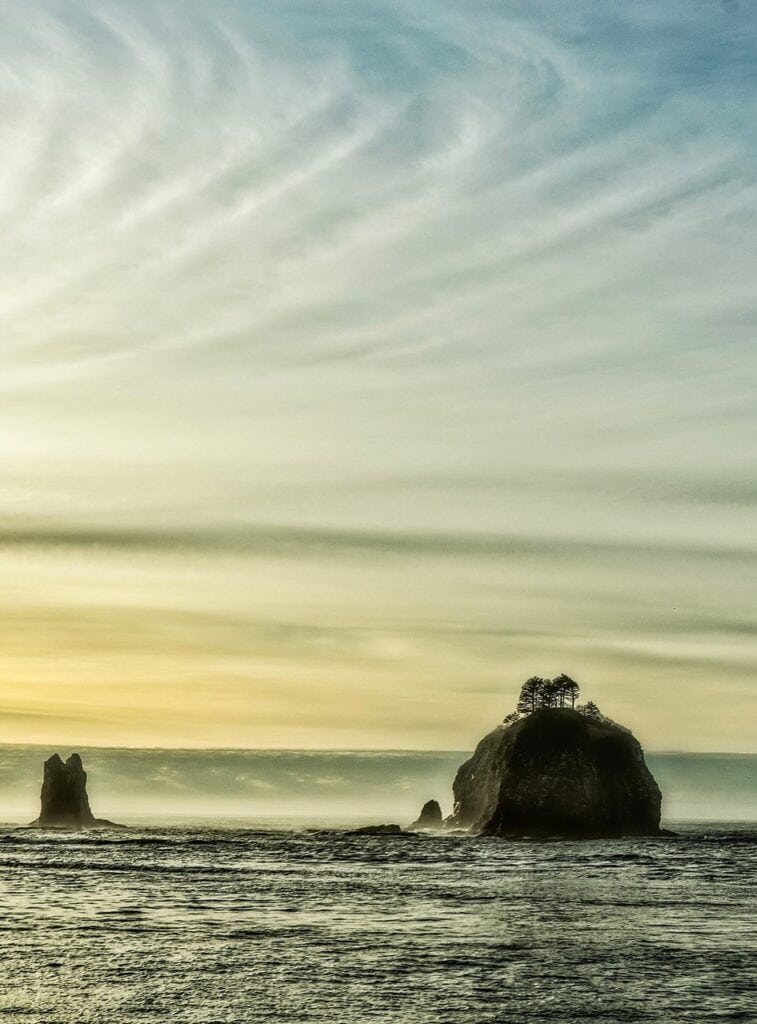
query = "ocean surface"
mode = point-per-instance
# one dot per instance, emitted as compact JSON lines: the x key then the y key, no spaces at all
{"x":281,"y":922}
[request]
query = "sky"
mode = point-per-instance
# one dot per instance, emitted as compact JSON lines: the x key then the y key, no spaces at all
{"x":359,"y":360}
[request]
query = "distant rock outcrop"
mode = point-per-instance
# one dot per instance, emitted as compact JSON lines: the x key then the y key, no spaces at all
{"x":378,"y":830}
{"x":64,"y":796}
{"x":430,"y":816}
{"x":557,"y":772}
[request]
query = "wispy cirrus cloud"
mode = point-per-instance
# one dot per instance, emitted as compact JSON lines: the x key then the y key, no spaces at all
{"x":381,"y":282}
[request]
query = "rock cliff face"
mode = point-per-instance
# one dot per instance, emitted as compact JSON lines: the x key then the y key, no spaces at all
{"x":557,"y":773}
{"x":430,"y":816}
{"x":64,"y":796}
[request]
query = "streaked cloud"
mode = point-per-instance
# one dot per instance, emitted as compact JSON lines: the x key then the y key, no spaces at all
{"x":357,"y":359}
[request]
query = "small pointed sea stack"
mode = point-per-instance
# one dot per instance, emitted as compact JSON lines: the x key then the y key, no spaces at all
{"x":64,"y":796}
{"x":430,"y":816}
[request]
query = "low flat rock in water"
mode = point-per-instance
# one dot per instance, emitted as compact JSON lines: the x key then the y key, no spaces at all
{"x":379,"y":830}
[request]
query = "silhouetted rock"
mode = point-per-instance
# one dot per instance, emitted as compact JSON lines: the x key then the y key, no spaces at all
{"x":378,"y":830}
{"x":64,"y":796}
{"x":557,"y":773}
{"x":430,"y":816}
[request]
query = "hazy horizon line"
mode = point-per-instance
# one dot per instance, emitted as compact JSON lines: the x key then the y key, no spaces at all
{"x":331,"y":750}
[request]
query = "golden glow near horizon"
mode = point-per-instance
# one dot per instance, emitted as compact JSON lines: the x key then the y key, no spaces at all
{"x":357,"y":365}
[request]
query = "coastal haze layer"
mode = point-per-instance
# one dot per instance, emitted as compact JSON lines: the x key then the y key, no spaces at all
{"x":329,"y":786}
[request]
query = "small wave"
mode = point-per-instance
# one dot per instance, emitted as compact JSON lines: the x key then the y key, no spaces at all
{"x":79,"y":840}
{"x":747,"y":838}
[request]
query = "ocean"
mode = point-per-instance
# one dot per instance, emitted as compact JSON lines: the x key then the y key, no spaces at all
{"x":286,"y":924}
{"x":238,"y":894}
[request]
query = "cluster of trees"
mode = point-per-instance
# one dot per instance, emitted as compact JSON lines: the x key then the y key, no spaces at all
{"x":536,"y":693}
{"x":561,"y":692}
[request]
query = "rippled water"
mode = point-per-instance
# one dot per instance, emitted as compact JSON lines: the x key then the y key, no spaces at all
{"x":204,"y":924}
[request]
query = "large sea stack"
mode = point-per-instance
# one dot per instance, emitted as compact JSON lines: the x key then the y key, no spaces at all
{"x":64,"y":796}
{"x":557,"y":772}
